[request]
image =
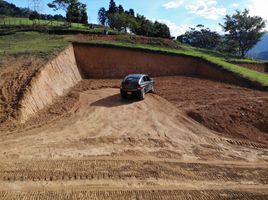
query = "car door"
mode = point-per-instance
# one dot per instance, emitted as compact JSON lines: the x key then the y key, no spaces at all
{"x":144,"y":83}
{"x":148,"y":83}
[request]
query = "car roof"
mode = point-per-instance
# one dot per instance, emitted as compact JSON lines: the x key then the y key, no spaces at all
{"x":135,"y":75}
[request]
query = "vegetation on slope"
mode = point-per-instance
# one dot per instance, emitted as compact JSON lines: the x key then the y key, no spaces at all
{"x":217,"y":60}
{"x":44,"y":44}
{"x":31,"y":43}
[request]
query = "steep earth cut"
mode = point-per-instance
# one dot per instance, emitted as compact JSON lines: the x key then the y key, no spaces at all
{"x":260,"y":67}
{"x":91,"y":62}
{"x":52,"y":81}
{"x":105,"y":147}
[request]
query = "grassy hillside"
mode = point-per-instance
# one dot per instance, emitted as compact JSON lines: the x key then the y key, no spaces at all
{"x":12,"y":25}
{"x":39,"y":43}
{"x":31,"y":43}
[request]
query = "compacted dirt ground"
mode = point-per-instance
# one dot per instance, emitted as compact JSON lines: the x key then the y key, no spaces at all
{"x":193,"y":139}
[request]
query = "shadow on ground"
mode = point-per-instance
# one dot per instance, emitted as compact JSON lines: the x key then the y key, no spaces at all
{"x":114,"y":101}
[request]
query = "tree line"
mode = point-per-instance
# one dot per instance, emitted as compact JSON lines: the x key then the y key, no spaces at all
{"x":76,"y":12}
{"x":242,"y":33}
{"x":116,"y":17}
{"x":10,"y":9}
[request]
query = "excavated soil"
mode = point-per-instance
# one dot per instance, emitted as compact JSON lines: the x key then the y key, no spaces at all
{"x":91,"y":144}
{"x":16,"y":73}
{"x":229,"y":110}
{"x":260,"y":67}
{"x":193,"y":139}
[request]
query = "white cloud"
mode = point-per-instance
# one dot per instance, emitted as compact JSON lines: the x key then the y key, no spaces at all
{"x":207,"y":9}
{"x":175,"y":30}
{"x":258,"y":8}
{"x":235,"y":5}
{"x":173,"y":4}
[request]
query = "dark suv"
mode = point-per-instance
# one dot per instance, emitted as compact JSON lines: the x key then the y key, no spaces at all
{"x":136,"y":85}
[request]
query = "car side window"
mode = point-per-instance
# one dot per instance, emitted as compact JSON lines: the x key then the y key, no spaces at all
{"x":144,"y":79}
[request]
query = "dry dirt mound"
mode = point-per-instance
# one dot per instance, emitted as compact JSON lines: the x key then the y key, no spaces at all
{"x":15,"y":75}
{"x":230,"y":110}
{"x":168,"y":43}
{"x":128,"y":149}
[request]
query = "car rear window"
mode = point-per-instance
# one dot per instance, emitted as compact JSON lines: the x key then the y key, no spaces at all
{"x":132,"y":79}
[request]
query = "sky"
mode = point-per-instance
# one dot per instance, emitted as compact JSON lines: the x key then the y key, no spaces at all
{"x":179,"y":15}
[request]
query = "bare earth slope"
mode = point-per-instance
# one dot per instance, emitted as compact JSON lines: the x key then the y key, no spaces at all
{"x":108,"y":148}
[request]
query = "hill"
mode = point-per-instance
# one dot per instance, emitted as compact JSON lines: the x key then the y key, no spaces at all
{"x":260,"y":51}
{"x":9,"y":9}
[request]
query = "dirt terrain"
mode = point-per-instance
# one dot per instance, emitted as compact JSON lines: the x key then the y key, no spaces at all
{"x":91,"y":144}
{"x":193,"y":139}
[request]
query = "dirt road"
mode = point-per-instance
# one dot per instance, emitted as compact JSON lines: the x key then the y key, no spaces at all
{"x":108,"y":148}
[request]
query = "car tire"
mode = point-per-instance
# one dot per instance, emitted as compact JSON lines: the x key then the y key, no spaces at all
{"x":152,"y":90}
{"x":123,"y":94}
{"x":142,"y":94}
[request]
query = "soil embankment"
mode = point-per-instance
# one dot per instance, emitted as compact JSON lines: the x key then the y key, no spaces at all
{"x":52,"y":81}
{"x":125,"y":148}
{"x":91,"y":144}
{"x":91,"y":61}
{"x":260,"y":67}
{"x":96,"y":61}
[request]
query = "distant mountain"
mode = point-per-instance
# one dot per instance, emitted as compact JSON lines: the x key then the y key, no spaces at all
{"x":260,"y":51}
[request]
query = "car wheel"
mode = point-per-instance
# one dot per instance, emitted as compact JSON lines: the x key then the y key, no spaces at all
{"x":142,"y":94}
{"x":152,"y":90}
{"x":123,"y":94}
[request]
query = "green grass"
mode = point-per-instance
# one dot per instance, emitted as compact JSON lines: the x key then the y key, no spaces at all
{"x":30,"y":43}
{"x":25,"y":22}
{"x":217,"y":60}
{"x":12,"y":21}
{"x":35,"y":43}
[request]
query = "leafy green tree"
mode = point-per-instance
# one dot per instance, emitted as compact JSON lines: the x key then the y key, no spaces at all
{"x":34,"y":15}
{"x":228,"y":46}
{"x":102,"y":16}
{"x":131,"y":12}
{"x":120,"y":9}
{"x":73,"y":12}
{"x":83,"y":13}
{"x":244,"y":29}
{"x":145,"y":27}
{"x":59,"y":5}
{"x":200,"y":37}
{"x":112,"y":7}
{"x":161,"y":30}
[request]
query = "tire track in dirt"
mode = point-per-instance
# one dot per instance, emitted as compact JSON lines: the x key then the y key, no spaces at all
{"x":56,"y":170}
{"x":143,"y":194}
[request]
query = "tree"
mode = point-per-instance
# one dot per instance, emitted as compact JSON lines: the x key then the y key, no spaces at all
{"x":102,"y":16}
{"x":228,"y":46}
{"x":120,"y":9}
{"x":131,"y":12}
{"x":244,"y":29}
{"x":59,"y":5}
{"x":34,"y":15}
{"x":200,"y":37}
{"x":145,"y":27}
{"x":161,"y":30}
{"x":83,"y":13}
{"x":73,"y":12}
{"x":112,"y":7}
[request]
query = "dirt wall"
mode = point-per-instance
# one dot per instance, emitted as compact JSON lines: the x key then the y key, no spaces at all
{"x":209,"y":71}
{"x":116,"y":62}
{"x":53,"y":80}
{"x":260,"y":67}
{"x":103,"y":62}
